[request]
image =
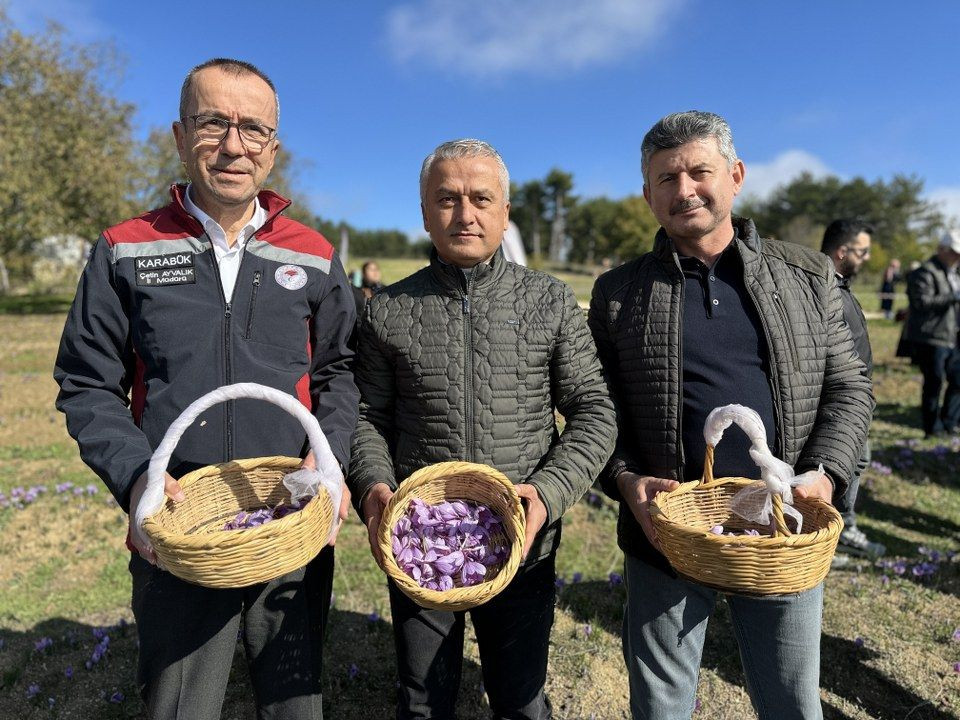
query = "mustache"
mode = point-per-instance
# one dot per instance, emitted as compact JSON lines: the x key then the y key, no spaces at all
{"x":688,"y":204}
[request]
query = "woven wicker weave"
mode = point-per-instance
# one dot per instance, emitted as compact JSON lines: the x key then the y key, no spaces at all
{"x":188,"y":537}
{"x":190,"y":542}
{"x":743,"y":564}
{"x":456,"y":481}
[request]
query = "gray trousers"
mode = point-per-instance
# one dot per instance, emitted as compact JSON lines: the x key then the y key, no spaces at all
{"x":664,"y":628}
{"x":188,"y":635}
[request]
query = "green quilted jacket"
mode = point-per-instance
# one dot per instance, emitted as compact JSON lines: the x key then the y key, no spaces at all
{"x":451,"y":369}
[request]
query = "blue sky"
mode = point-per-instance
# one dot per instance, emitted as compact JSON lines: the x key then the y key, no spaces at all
{"x":367,"y":89}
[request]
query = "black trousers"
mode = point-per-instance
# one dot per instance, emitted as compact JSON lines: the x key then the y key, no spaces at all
{"x":513,"y":635}
{"x":188,"y":635}
{"x":939,"y":365}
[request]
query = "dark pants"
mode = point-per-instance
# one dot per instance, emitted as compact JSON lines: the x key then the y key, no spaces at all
{"x":513,"y":635}
{"x":188,"y":635}
{"x":939,"y":365}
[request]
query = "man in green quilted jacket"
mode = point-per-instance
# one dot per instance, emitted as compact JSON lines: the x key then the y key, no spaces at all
{"x":468,"y":359}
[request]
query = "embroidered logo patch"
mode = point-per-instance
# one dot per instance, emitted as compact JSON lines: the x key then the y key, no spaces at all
{"x":292,"y":277}
{"x":170,"y":269}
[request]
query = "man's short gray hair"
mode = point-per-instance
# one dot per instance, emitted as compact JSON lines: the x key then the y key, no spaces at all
{"x":231,"y":67}
{"x":466,"y":147}
{"x":680,"y":128}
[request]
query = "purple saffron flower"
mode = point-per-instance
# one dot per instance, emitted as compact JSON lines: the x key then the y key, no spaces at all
{"x":858,"y":641}
{"x":353,"y":672}
{"x":51,"y":702}
{"x":559,"y":582}
{"x":117,"y":697}
{"x":68,"y":672}
{"x":373,"y":617}
{"x":577,"y":577}
{"x":587,"y":630}
{"x":956,"y":667}
{"x":615,"y":579}
{"x":42,"y":644}
{"x":956,"y":635}
{"x":717,"y":529}
{"x":32,"y":691}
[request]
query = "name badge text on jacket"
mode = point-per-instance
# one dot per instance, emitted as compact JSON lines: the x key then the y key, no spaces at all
{"x":169,"y":269}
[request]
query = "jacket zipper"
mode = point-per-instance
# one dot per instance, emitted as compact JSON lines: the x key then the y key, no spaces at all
{"x":253,"y":300}
{"x":774,"y":380}
{"x":468,"y":373}
{"x":680,"y":458}
{"x":227,"y":359}
{"x":782,"y":310}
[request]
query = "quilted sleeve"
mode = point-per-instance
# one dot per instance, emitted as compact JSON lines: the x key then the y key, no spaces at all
{"x":846,"y":402}
{"x":370,"y":458}
{"x":600,"y":329}
{"x":580,"y":395}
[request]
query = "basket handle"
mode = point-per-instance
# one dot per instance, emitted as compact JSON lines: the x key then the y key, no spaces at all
{"x":749,"y":421}
{"x":153,"y":496}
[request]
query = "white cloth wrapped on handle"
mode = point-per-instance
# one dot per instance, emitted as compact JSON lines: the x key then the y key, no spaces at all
{"x":754,"y":502}
{"x":301,"y":483}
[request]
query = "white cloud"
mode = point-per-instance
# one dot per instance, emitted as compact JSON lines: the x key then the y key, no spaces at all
{"x":540,"y":36}
{"x":763,"y":178}
{"x":948,"y":198}
{"x":77,"y":17}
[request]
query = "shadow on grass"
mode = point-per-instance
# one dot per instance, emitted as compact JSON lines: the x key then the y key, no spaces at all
{"x":359,"y":671}
{"x":845,"y":672}
{"x":34,"y":304}
{"x":897,"y":414}
{"x":906,"y":519}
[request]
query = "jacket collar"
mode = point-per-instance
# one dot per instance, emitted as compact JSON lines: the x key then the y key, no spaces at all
{"x":270,"y":201}
{"x":452,"y":277}
{"x":746,"y":241}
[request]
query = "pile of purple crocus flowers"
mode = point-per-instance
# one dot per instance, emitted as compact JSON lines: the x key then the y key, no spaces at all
{"x":245,"y":520}
{"x":718,"y":530}
{"x":451,"y":544}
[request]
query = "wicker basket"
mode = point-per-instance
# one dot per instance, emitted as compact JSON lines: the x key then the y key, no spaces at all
{"x":456,"y":481}
{"x":743,"y":564}
{"x":188,"y":537}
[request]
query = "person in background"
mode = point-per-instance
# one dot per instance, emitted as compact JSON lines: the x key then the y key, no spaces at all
{"x":217,"y":287}
{"x":468,"y":359}
{"x":888,"y":288}
{"x":847,"y":243}
{"x":370,"y":282}
{"x":933,"y":290}
{"x":717,"y":315}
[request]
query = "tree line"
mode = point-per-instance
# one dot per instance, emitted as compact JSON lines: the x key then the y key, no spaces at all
{"x":71,"y":165}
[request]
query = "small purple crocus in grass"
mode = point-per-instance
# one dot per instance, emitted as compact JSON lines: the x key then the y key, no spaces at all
{"x":858,"y":641}
{"x":353,"y":672}
{"x":956,"y":667}
{"x":42,"y":644}
{"x":615,"y":579}
{"x":32,"y":690}
{"x":117,"y":697}
{"x":577,"y":577}
{"x":587,"y":630}
{"x":373,"y":617}
{"x":559,"y":582}
{"x":956,"y":635}
{"x":68,"y":672}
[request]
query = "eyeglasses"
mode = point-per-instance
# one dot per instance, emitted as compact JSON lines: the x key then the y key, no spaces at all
{"x":212,"y":129}
{"x":860,"y":252}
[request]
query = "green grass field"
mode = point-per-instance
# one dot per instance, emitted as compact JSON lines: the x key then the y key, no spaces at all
{"x":888,"y":648}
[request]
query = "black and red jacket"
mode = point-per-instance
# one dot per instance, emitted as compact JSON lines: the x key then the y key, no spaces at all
{"x":150,"y":331}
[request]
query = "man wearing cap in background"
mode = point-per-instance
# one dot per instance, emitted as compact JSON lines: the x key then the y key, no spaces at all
{"x":847,"y":243}
{"x":217,"y":287}
{"x":933,"y":290}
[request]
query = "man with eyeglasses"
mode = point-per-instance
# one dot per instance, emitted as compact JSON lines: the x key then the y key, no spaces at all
{"x":847,"y":243}
{"x":217,"y":287}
